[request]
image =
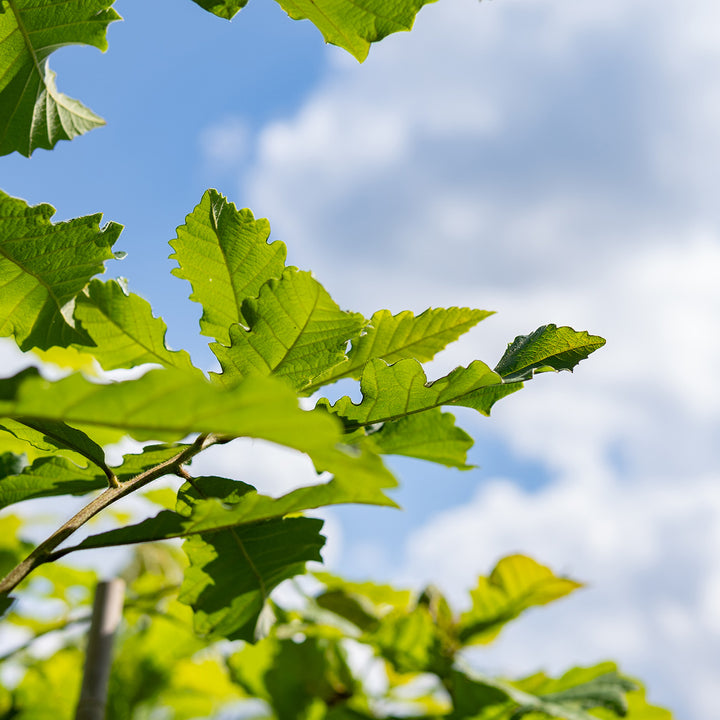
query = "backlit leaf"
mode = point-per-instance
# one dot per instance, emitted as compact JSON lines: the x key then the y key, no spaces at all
{"x":33,"y":113}
{"x":223,"y":252}
{"x":516,"y":584}
{"x":43,"y":266}
{"x":222,"y":8}
{"x":548,"y":348}
{"x":124,"y":330}
{"x":394,"y":391}
{"x":398,"y":337}
{"x":295,"y":331}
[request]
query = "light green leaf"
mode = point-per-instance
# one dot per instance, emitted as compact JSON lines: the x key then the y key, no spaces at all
{"x":223,"y":252}
{"x":124,"y":330}
{"x":548,"y":348}
{"x":295,"y":331}
{"x":33,"y":114}
{"x":54,"y":476}
{"x":516,"y":584}
{"x":355,"y":24}
{"x":226,"y":9}
{"x":232,"y":573}
{"x":43,"y":266}
{"x":169,"y":404}
{"x":391,"y":392}
{"x":431,"y":435}
{"x":398,"y":337}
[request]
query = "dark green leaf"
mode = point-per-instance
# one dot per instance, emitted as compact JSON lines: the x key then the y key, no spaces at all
{"x":11,"y":464}
{"x":548,"y":348}
{"x":226,"y":9}
{"x":43,"y":266}
{"x":295,"y":331}
{"x":33,"y":114}
{"x":223,"y":252}
{"x":232,"y":572}
{"x":124,"y":330}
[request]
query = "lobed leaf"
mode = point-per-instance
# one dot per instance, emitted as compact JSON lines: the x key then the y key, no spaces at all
{"x":232,"y":573}
{"x":355,"y":24}
{"x":516,"y":584}
{"x":398,"y":337}
{"x":548,"y":348}
{"x":33,"y":113}
{"x":123,"y":329}
{"x":295,"y":331}
{"x":43,"y":266}
{"x":223,"y":252}
{"x":391,"y":392}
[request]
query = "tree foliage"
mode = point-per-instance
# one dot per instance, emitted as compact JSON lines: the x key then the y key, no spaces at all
{"x":280,"y":341}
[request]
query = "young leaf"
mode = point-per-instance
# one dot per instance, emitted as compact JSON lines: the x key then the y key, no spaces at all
{"x":232,"y":573}
{"x":43,"y":266}
{"x":548,"y":348}
{"x":295,"y":331}
{"x":33,"y":114}
{"x":516,"y":584}
{"x":124,"y":330}
{"x":398,"y":337}
{"x":431,"y":435}
{"x":223,"y":252}
{"x":394,"y":391}
{"x":355,"y":24}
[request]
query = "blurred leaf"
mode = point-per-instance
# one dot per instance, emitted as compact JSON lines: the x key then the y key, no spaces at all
{"x":124,"y":330}
{"x":43,"y":266}
{"x":295,"y":331}
{"x":33,"y":114}
{"x":516,"y":584}
{"x":223,"y":252}
{"x":548,"y":348}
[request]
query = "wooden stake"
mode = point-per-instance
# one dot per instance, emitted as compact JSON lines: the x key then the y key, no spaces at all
{"x":107,"y":612}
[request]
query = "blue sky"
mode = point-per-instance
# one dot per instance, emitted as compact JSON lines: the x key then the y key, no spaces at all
{"x":555,"y":162}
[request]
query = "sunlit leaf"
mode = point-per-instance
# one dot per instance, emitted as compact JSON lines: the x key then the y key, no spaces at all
{"x":295,"y":330}
{"x":33,"y":113}
{"x":547,"y":348}
{"x":516,"y":584}
{"x":43,"y":266}
{"x":225,"y":255}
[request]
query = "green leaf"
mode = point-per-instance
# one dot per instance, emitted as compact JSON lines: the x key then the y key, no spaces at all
{"x":398,"y":337}
{"x":223,"y":252}
{"x":232,"y":573}
{"x":548,"y":348}
{"x":50,"y":435}
{"x":124,"y":330}
{"x":516,"y":584}
{"x":391,"y":392}
{"x":43,"y":266}
{"x":214,"y":504}
{"x":11,"y":464}
{"x":54,"y":476}
{"x":33,"y":114}
{"x":355,"y":24}
{"x":169,"y":404}
{"x":431,"y":435}
{"x":295,"y":331}
{"x":226,"y":9}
